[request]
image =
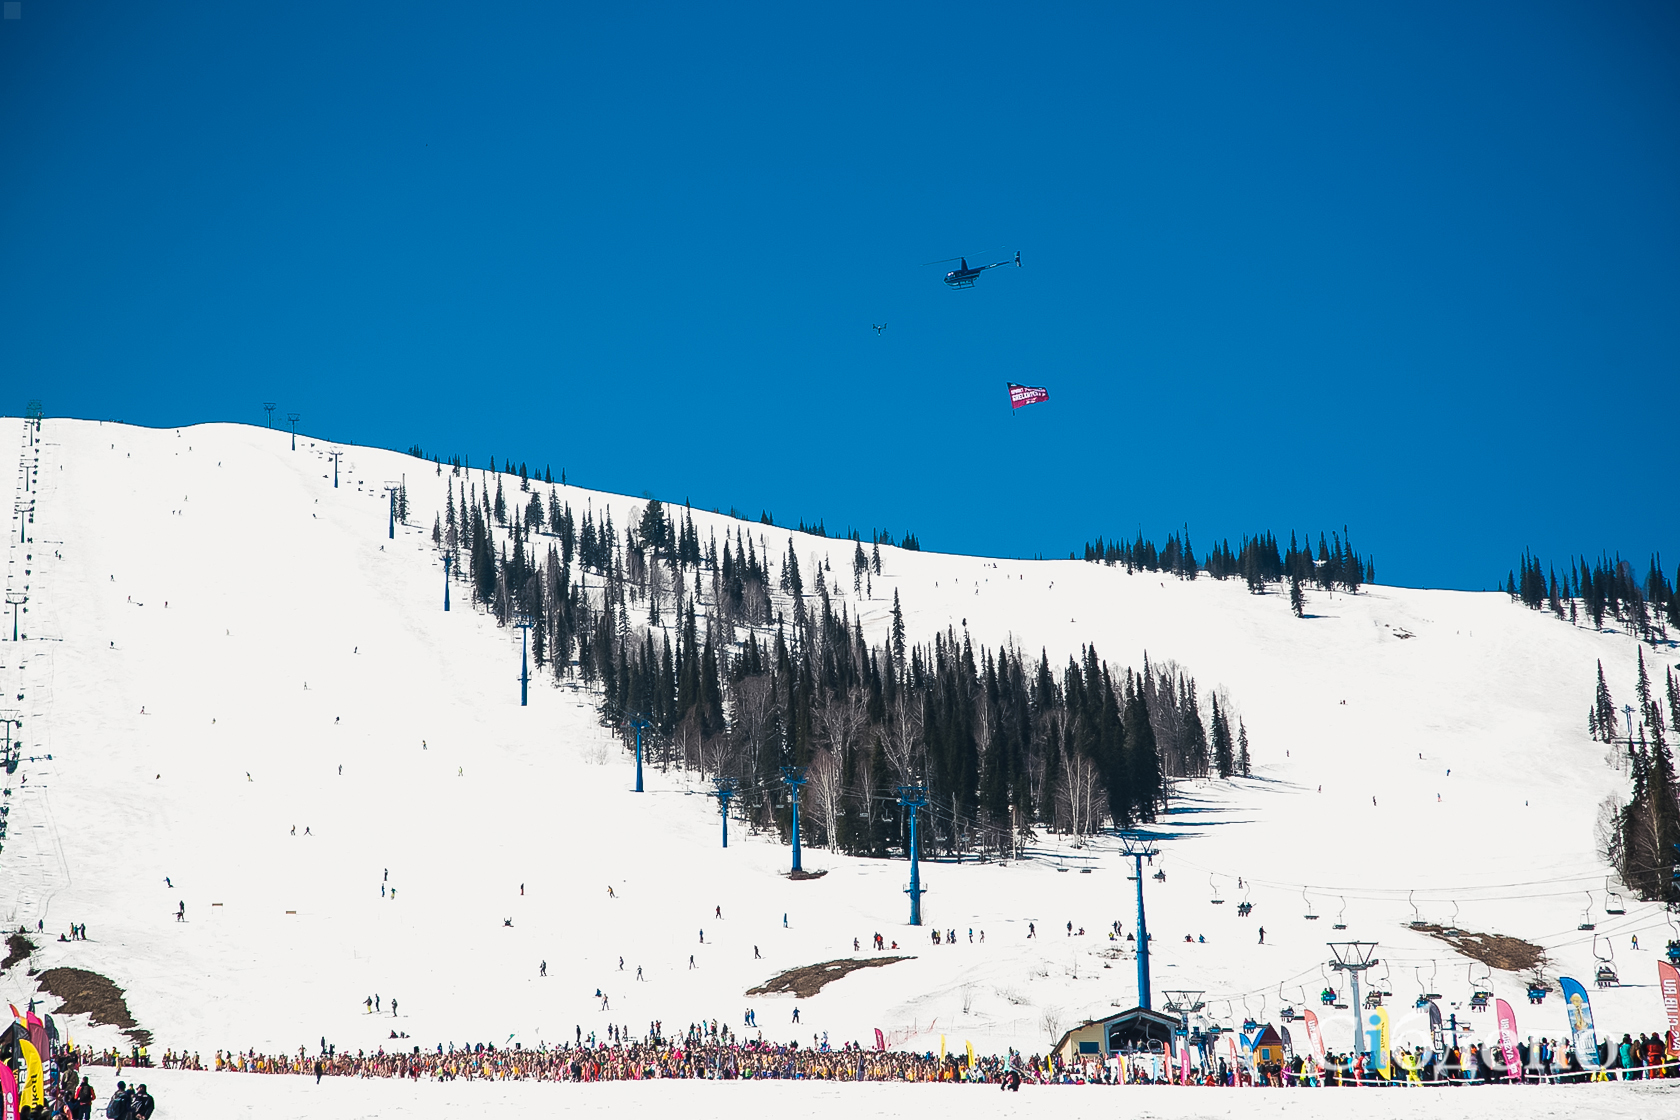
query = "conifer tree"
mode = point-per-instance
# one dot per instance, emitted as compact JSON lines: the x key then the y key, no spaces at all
{"x":1242,"y":748}
{"x":1222,"y":754}
{"x":1606,"y":708}
{"x":1297,"y":601}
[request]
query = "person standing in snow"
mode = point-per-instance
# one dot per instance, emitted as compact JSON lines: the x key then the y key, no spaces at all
{"x":1262,"y":935}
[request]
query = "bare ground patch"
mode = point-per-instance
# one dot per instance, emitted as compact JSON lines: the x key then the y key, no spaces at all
{"x":18,"y":948}
{"x":88,"y":993}
{"x":1496,"y":950}
{"x":807,"y":980}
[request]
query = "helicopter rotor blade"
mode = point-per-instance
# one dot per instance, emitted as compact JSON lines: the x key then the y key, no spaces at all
{"x":947,"y":260}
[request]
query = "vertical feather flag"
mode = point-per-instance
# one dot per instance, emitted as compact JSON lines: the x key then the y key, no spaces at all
{"x":1581,"y":1031}
{"x":1508,"y":1039}
{"x":8,"y":1092}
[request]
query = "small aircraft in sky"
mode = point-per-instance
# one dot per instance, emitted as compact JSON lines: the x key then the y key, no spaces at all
{"x":879,"y":327}
{"x":963,"y":276}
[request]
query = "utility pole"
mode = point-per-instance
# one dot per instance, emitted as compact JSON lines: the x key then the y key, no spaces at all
{"x":913,"y":798}
{"x":391,"y":489}
{"x":1627,"y":714}
{"x":446,"y":559}
{"x":794,"y":776}
{"x":1354,"y":957}
{"x":292,"y":418}
{"x":639,"y":721}
{"x":723,"y":790}
{"x":15,"y":599}
{"x":268,"y":407}
{"x":1137,"y":848}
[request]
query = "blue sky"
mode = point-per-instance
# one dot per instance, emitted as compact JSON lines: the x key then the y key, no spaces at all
{"x":1407,"y":268}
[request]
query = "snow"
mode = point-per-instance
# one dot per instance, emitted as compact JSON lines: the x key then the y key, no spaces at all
{"x":205,"y":576}
{"x":229,"y":1096}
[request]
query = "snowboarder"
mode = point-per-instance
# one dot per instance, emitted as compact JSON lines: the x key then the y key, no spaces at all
{"x":181,"y":916}
{"x":1032,"y":930}
{"x":796,"y":1014}
{"x":717,"y":912}
{"x":1262,"y":935}
{"x":542,"y":969}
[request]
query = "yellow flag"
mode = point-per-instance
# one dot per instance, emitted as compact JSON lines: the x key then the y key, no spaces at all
{"x":941,"y":1049}
{"x":970,"y":1046}
{"x":34,"y":1094}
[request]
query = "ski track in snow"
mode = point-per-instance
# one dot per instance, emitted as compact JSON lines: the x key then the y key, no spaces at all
{"x":274,"y":579}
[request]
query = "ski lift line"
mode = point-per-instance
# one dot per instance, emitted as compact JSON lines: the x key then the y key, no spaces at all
{"x":1453,"y":893}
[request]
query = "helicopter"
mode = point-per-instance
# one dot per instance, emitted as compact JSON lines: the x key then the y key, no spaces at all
{"x":964,"y":276}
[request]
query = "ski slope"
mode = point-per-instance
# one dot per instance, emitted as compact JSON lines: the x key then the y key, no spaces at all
{"x":214,"y":630}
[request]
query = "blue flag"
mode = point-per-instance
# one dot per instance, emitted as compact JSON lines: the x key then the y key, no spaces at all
{"x":1580,"y":1022}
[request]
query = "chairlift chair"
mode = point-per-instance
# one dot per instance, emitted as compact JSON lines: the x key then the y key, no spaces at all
{"x":1586,"y":916}
{"x":1606,"y":975}
{"x":1417,"y":917}
{"x":1614,"y":904}
{"x":1217,"y":901}
{"x":1537,"y":988}
{"x":1341,"y":915}
{"x":1309,"y":915}
{"x":1481,"y":992}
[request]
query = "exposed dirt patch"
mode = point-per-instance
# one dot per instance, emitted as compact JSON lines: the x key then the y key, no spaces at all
{"x":88,"y":993}
{"x":1496,"y":950}
{"x":801,"y":875}
{"x":807,"y":980}
{"x":18,"y":948}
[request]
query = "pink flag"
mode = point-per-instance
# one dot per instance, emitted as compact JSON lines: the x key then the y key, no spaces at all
{"x":1020,"y":395}
{"x":1668,"y":983}
{"x":1508,"y":1039}
{"x":1313,"y":1036}
{"x":880,"y":1039}
{"x":8,"y":1092}
{"x":1184,"y":1063}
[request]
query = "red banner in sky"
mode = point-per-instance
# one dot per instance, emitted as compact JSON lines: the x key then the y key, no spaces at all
{"x":1027,"y":394}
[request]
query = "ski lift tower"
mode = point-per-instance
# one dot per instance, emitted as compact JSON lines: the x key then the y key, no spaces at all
{"x":391,"y":489}
{"x":292,"y":418}
{"x":15,"y":599}
{"x":269,"y":407}
{"x":12,"y":719}
{"x":794,"y":776}
{"x":524,"y":622}
{"x":1354,"y":957}
{"x":913,"y":798}
{"x":723,"y":789}
{"x":1137,"y":848}
{"x":1184,"y":1004}
{"x":638,"y":722}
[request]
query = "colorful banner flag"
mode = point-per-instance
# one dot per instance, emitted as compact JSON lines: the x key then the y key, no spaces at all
{"x":1313,"y":1035}
{"x":1582,"y":1035}
{"x":1668,"y":983}
{"x":970,"y":1047}
{"x":880,"y":1039}
{"x":1288,"y":1043}
{"x":1376,"y":1037}
{"x":34,"y":1093}
{"x":1022,"y":395}
{"x":1508,"y":1039}
{"x":941,"y":1051}
{"x":8,"y":1092}
{"x":1437,"y":1038}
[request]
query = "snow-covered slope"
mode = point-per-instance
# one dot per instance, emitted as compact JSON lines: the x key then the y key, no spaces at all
{"x":213,"y":631}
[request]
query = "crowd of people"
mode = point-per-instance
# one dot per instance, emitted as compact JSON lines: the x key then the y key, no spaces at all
{"x":712,"y":1050}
